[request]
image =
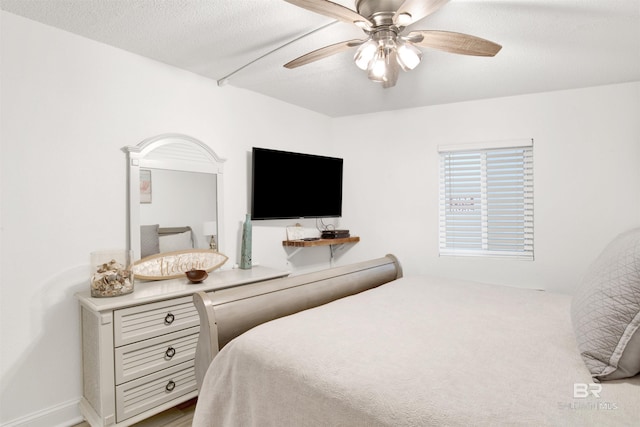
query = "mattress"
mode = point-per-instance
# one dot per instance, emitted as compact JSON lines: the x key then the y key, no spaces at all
{"x":418,"y":351}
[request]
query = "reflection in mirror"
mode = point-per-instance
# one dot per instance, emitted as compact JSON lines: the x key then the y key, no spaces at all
{"x":176,"y":200}
{"x":175,"y":195}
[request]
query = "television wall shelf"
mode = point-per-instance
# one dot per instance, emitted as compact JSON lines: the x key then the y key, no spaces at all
{"x":301,"y":244}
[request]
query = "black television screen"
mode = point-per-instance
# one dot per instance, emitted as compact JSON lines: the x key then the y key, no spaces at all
{"x":295,"y":185}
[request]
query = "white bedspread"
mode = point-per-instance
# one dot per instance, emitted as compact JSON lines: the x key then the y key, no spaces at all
{"x":414,"y":352}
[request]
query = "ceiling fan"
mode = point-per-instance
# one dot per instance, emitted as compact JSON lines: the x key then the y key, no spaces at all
{"x":386,"y":50}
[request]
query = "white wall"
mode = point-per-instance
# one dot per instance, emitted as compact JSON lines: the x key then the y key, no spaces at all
{"x":68,"y":105}
{"x":586,"y":179}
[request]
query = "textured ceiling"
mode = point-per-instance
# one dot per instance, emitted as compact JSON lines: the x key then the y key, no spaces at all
{"x":547,"y":45}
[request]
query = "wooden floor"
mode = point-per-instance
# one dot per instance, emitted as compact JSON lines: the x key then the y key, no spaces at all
{"x":180,"y":416}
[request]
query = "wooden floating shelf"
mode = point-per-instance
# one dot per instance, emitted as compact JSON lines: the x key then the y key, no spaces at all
{"x":320,"y":242}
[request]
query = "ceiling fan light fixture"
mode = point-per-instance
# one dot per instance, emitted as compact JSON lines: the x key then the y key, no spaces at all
{"x":378,"y":66}
{"x":392,"y":71}
{"x":409,"y":56}
{"x":365,"y":54}
{"x":384,"y":67}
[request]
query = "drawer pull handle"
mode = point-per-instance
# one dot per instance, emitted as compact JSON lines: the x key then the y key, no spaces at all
{"x":170,"y":385}
{"x":169,"y":318}
{"x":170,"y":352}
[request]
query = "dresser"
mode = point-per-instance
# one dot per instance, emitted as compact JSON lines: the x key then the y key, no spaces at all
{"x":138,"y":349}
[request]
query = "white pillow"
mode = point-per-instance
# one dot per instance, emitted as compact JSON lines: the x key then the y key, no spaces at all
{"x":176,"y":242}
{"x":606,"y":311}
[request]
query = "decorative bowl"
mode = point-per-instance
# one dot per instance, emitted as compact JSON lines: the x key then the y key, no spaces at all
{"x":196,"y":276}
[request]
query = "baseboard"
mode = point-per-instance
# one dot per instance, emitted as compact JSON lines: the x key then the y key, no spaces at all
{"x":63,"y":415}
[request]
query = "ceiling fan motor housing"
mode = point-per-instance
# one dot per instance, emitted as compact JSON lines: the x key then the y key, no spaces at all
{"x":369,"y":8}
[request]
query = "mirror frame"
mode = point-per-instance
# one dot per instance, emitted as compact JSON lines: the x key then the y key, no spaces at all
{"x":189,"y":155}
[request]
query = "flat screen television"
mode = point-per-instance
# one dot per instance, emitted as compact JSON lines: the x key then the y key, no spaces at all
{"x":295,"y":185}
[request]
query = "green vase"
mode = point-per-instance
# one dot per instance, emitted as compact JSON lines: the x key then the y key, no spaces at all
{"x":245,"y":254}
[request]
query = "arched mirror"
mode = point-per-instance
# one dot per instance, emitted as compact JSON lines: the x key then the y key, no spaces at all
{"x":175,"y":195}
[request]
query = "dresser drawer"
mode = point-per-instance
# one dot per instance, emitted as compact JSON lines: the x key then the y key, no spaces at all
{"x":139,"y":395}
{"x":145,"y":357}
{"x":151,"y":320}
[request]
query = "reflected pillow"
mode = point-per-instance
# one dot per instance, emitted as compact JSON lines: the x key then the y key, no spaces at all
{"x":606,"y":311}
{"x":149,"y":241}
{"x":176,"y":242}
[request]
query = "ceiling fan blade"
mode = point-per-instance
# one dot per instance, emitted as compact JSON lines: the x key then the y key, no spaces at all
{"x":333,"y":10}
{"x":448,"y":41}
{"x":414,"y":10}
{"x":323,"y":52}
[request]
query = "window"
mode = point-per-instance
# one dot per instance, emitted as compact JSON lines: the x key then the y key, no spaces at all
{"x":486,"y":199}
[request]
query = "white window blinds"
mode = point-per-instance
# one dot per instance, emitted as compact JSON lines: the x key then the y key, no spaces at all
{"x":486,"y":199}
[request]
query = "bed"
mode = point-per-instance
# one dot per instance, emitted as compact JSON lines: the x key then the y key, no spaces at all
{"x":420,"y":351}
